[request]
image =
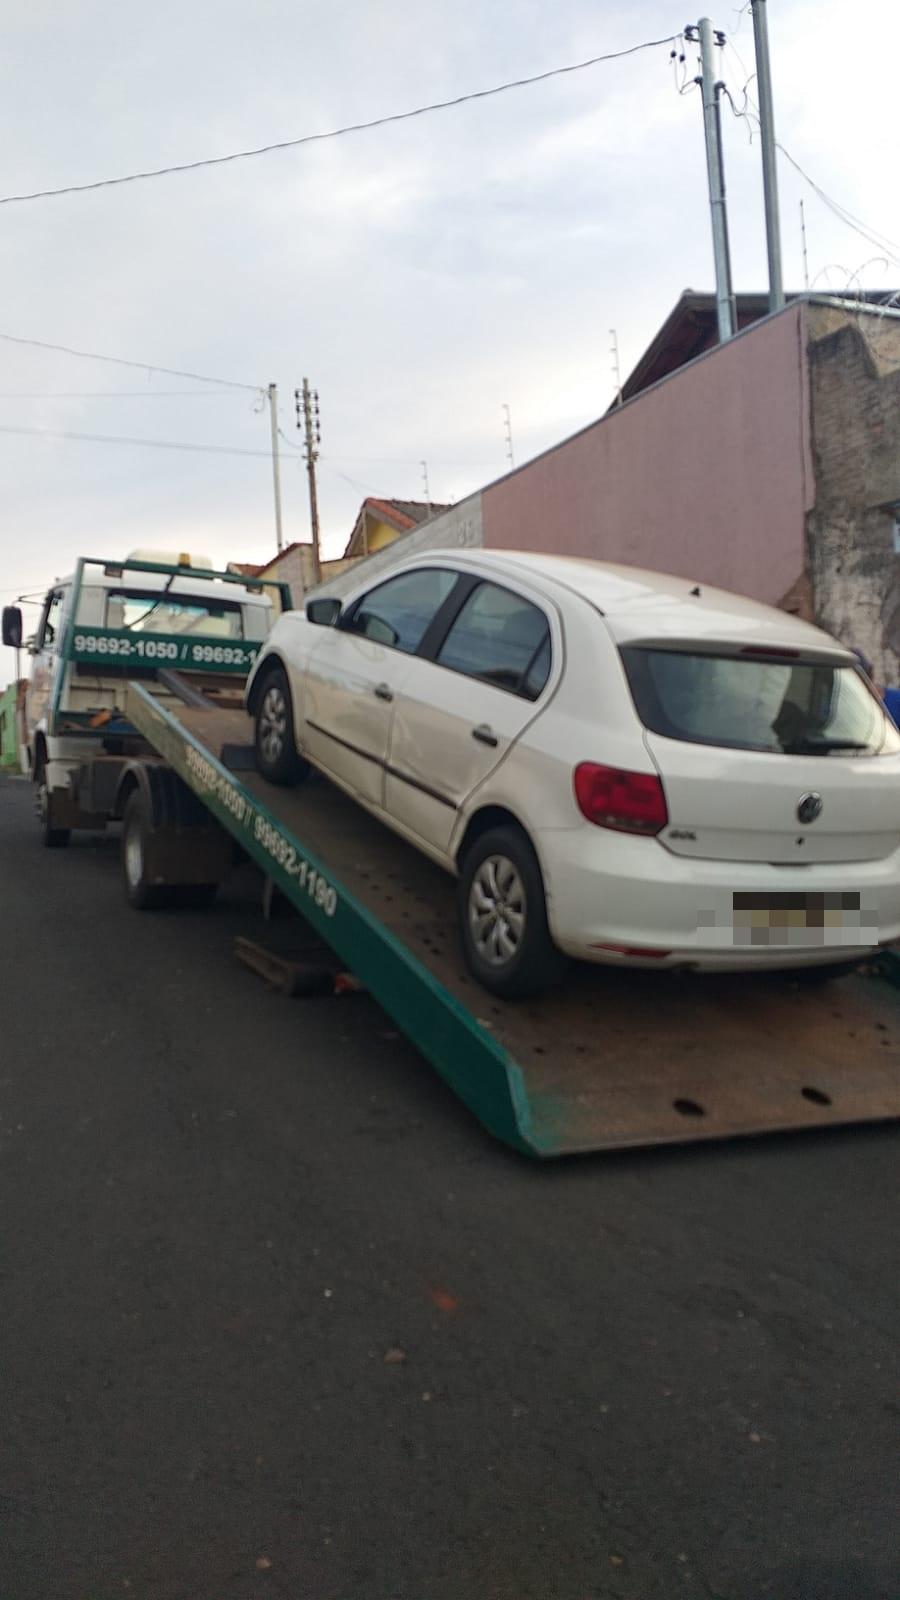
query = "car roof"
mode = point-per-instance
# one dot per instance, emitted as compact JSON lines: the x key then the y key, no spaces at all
{"x":640,"y":604}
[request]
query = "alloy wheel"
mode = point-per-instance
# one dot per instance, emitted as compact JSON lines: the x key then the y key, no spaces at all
{"x":497,"y":910}
{"x":272,"y":723}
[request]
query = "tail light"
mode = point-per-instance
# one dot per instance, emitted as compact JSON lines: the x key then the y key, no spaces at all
{"x":628,"y":802}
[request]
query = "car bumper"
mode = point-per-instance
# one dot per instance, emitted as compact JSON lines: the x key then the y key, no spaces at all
{"x":621,"y":900}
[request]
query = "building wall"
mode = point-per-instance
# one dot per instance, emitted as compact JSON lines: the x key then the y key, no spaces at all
{"x":10,"y":702}
{"x":854,"y":362}
{"x":459,"y":528}
{"x":706,"y":475}
{"x":379,"y":534}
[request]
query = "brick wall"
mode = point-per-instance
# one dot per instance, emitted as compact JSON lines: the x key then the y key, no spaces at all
{"x":854,"y":368}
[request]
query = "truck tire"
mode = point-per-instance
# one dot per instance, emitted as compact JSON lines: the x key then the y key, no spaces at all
{"x":503,"y":917}
{"x":51,"y":838}
{"x":276,"y":745}
{"x":137,"y":828}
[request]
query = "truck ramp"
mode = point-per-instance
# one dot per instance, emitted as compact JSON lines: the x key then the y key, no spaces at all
{"x":616,"y":1058}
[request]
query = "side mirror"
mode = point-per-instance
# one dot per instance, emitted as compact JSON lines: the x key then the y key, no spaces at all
{"x":12,"y":627}
{"x":324,"y":612}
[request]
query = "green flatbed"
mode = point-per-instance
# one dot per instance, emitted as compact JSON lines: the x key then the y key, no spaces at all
{"x":614,"y":1059}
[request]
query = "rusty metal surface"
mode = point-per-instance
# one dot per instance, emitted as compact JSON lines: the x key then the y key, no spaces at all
{"x":618,"y":1058}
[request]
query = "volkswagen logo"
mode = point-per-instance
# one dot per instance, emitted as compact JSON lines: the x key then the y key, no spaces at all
{"x":809,"y":807}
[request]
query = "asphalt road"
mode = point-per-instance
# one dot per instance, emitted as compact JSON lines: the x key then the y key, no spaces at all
{"x":649,"y":1375}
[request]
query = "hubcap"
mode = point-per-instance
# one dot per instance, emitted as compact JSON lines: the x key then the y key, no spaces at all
{"x":134,"y":858}
{"x":272,"y":725}
{"x":497,"y":910}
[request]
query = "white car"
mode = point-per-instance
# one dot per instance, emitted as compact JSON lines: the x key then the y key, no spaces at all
{"x":618,"y":766}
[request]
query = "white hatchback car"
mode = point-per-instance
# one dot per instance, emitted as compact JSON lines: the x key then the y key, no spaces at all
{"x":619,"y":766}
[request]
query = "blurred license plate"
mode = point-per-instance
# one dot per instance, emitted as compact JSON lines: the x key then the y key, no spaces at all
{"x":836,"y":918}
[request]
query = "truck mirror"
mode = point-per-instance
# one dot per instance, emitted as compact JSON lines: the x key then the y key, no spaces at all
{"x":324,"y":612}
{"x":12,"y":627}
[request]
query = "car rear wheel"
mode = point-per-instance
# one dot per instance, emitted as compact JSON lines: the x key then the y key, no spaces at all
{"x":276,"y":749}
{"x":503,"y":917}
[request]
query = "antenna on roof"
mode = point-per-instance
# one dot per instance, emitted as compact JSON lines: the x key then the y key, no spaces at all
{"x":507,"y":424}
{"x":617,"y":376}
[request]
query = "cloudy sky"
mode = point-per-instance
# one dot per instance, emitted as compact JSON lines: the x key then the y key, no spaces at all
{"x":421,"y":275}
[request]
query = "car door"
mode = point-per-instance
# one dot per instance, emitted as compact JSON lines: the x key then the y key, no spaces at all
{"x":44,"y":663}
{"x":457,"y":715}
{"x":356,"y":671}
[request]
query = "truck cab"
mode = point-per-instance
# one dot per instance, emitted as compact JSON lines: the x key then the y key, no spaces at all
{"x":112,"y":623}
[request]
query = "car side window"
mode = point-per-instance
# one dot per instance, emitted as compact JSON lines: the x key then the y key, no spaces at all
{"x":49,"y":636}
{"x":502,"y":639}
{"x":399,"y":612}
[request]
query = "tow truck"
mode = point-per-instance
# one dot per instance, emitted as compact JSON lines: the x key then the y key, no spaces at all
{"x":614,"y":1059}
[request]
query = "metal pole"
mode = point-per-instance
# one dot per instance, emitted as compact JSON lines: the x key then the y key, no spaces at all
{"x":713,"y":135}
{"x":509,"y":438}
{"x":276,"y":467}
{"x":311,"y":427}
{"x":617,"y":376}
{"x":767,"y":142}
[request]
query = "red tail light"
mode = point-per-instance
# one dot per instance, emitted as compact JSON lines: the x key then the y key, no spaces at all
{"x":628,"y":802}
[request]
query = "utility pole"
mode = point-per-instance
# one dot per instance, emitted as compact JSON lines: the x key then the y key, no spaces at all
{"x":767,"y":143}
{"x":617,"y":375}
{"x":507,"y":422}
{"x":276,"y":467}
{"x":712,"y":130}
{"x":306,"y":405}
{"x":424,"y":466}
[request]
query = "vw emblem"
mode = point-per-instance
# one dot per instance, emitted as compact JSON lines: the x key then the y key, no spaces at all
{"x":809,"y":807}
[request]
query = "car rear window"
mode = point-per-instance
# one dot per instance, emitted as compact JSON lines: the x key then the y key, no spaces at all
{"x":790,"y":707}
{"x":162,"y":612}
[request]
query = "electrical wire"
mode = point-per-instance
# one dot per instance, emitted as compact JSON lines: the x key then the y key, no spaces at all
{"x":114,"y":394}
{"x":142,"y":366}
{"x":750,"y":114}
{"x":335,"y":133}
{"x":152,"y":444}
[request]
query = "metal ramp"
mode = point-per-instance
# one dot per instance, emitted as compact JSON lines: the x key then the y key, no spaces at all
{"x":616,"y":1059}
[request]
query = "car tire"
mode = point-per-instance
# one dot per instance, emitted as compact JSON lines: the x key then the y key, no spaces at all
{"x":276,"y":748}
{"x":137,"y":828}
{"x":51,"y":838}
{"x":503,"y":917}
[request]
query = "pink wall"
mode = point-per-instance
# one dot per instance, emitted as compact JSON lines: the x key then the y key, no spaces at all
{"x":707,"y":475}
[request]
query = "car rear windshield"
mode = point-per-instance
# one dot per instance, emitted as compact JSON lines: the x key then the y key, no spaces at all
{"x":167,"y":613}
{"x":788,"y":706}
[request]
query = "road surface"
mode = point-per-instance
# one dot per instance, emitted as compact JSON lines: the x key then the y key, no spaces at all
{"x":280,"y":1320}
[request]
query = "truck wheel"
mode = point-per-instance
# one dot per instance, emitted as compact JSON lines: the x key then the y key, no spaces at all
{"x":503,"y":917}
{"x":51,"y":838}
{"x":276,"y":747}
{"x":137,"y":826}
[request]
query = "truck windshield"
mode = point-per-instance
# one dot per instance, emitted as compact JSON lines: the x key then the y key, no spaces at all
{"x":791,"y":707}
{"x":167,"y":613}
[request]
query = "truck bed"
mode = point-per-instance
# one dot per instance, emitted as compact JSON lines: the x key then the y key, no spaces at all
{"x":615,"y":1058}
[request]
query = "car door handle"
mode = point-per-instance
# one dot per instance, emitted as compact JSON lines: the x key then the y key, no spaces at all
{"x":384,"y":691}
{"x":485,"y":735}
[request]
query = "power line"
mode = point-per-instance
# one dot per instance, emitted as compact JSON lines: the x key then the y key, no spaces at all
{"x":153,"y":444}
{"x":335,"y":133}
{"x":142,"y":366}
{"x":113,"y":394}
{"x":749,"y":112}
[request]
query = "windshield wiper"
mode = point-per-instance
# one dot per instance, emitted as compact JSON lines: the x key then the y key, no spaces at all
{"x":822,"y":746}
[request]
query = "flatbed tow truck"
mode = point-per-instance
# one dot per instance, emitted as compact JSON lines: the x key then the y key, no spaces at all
{"x":614,"y":1059}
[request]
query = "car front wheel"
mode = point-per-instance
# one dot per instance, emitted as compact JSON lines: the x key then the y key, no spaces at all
{"x":276,"y":749}
{"x":503,"y":917}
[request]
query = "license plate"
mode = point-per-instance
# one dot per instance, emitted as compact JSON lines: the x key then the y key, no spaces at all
{"x":802,"y":919}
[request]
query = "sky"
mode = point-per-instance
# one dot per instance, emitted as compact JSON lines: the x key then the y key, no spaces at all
{"x":422,"y":275}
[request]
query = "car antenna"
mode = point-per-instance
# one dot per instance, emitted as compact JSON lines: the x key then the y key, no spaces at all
{"x":696,"y":590}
